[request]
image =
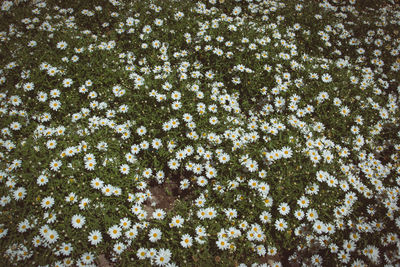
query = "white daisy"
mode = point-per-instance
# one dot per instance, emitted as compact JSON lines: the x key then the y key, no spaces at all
{"x":47,"y":202}
{"x":115,"y":231}
{"x":186,"y":241}
{"x":78,"y":221}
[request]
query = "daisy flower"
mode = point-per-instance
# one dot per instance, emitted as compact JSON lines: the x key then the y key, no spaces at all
{"x":173,"y":164}
{"x":177,"y":221}
{"x":265,"y":217}
{"x":155,"y":235}
{"x":114,"y":231}
{"x":299,"y":214}
{"x":312,"y":215}
{"x":141,"y":131}
{"x":280,"y":224}
{"x":90,"y":165}
{"x":19,"y":193}
{"x":284,"y":208}
{"x":186,"y":241}
{"x":231,"y":213}
{"x":55,"y":165}
{"x":222,"y":243}
{"x":135,"y":149}
{"x":67,"y":82}
{"x":142,"y":253}
{"x":23,"y":226}
{"x":78,"y":221}
{"x":156,"y":143}
{"x":345,"y":111}
{"x":96,"y":183}
{"x":124,"y":169}
{"x":55,"y":105}
{"x":51,"y":237}
{"x":184,"y":184}
{"x":119,"y":247}
{"x":37,"y":241}
{"x":303,"y":202}
{"x":158,"y":214}
{"x":62,"y":45}
{"x":47,"y":202}
{"x":66,"y":249}
{"x":29,"y":86}
{"x":163,"y":257}
{"x":87,"y":258}
{"x":51,"y":144}
{"x":211,"y":213}
{"x":131,"y":233}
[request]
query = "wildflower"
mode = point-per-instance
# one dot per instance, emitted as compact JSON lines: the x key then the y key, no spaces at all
{"x":186,"y":241}
{"x":261,"y":251}
{"x":19,"y":193}
{"x":119,"y":247}
{"x":67,"y":82}
{"x":55,"y":165}
{"x":62,"y":45}
{"x":87,"y":258}
{"x":141,"y":253}
{"x":71,"y":198}
{"x":23,"y":226}
{"x":156,"y":143}
{"x":184,"y":184}
{"x":97,"y":183}
{"x":344,"y":256}
{"x":173,"y":164}
{"x":287,"y":152}
{"x":303,"y":202}
{"x":163,"y":257}
{"x":231,"y":213}
{"x":280,"y":224}
{"x":90,"y":165}
{"x":131,"y":233}
{"x":66,"y":249}
{"x":95,"y":237}
{"x":51,"y":144}
{"x":222,"y":243}
{"x":344,"y":111}
{"x":78,"y":221}
{"x":37,"y":241}
{"x":177,"y":221}
{"x":299,"y":214}
{"x":316,"y":260}
{"x":124,"y":169}
{"x":265,"y":217}
{"x":47,"y":202}
{"x":312,"y":215}
{"x":155,"y":235}
{"x":114,"y":231}
{"x":319,"y":227}
{"x":284,"y":208}
{"x":141,"y":131}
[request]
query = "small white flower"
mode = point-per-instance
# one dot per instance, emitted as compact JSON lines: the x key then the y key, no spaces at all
{"x":115,"y":231}
{"x":186,"y":241}
{"x":124,"y":169}
{"x":78,"y":221}
{"x":67,"y":82}
{"x":47,"y":202}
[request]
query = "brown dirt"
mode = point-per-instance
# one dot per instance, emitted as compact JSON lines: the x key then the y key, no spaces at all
{"x":163,"y":197}
{"x":103,"y":262}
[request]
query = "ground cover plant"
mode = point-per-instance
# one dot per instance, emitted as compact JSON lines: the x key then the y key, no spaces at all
{"x":199,"y":133}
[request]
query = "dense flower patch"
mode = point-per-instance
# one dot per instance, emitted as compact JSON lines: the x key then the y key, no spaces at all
{"x":204,"y":133}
